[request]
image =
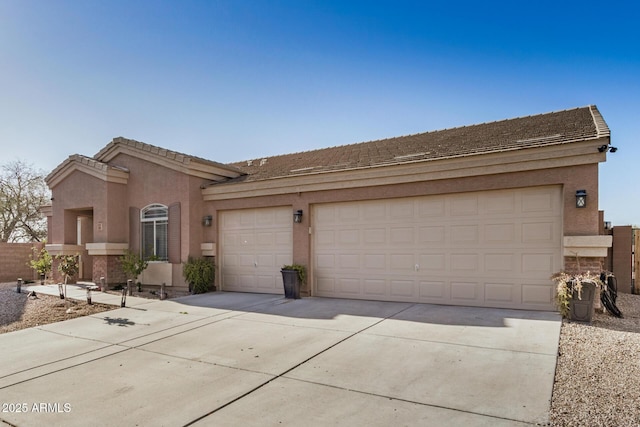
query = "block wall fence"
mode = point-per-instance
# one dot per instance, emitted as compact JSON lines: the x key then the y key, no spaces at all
{"x":14,"y":261}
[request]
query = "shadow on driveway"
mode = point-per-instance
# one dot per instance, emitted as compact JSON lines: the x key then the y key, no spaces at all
{"x":331,"y":308}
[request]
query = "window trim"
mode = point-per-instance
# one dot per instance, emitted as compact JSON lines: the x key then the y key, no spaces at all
{"x":156,"y":220}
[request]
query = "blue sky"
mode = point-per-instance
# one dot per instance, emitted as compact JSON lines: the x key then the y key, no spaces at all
{"x":235,"y":80}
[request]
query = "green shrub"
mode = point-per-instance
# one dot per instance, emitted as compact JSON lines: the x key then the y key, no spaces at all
{"x":41,"y":262}
{"x":132,"y":264}
{"x":68,"y":266}
{"x":200,"y":274}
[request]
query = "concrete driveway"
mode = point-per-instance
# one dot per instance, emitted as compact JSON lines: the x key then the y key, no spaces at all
{"x":226,"y":359}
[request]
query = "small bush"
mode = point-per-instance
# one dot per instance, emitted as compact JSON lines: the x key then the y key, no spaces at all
{"x":132,"y":264}
{"x":200,"y":274}
{"x":41,"y":261}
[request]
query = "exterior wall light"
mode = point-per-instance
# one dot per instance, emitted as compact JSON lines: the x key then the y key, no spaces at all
{"x":206,"y":220}
{"x":607,"y":225}
{"x":605,"y":148}
{"x":297,"y":216}
{"x":581,"y":198}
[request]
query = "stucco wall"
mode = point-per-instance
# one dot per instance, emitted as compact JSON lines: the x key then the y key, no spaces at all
{"x":576,"y":221}
{"x":150,"y":183}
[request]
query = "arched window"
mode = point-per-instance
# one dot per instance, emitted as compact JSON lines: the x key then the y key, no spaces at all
{"x":154,"y":220}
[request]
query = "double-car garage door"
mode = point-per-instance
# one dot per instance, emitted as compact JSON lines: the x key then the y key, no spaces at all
{"x":491,"y":248}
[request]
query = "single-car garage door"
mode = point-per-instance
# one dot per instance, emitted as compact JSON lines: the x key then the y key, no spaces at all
{"x":490,"y":248}
{"x":254,"y":245}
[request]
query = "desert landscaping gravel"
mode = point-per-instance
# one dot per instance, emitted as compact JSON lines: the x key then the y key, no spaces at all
{"x":597,"y":381}
{"x":20,"y":311}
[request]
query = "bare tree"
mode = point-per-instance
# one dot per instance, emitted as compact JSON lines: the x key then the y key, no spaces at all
{"x":22,"y":192}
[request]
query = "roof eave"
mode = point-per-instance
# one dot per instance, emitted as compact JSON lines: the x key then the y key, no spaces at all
{"x":180,"y":162}
{"x":486,"y":163}
{"x":86,"y":165}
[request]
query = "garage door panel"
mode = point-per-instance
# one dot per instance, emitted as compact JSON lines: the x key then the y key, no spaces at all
{"x":434,"y":207}
{"x":347,"y":214}
{"x":432,"y":262}
{"x":502,"y":293}
{"x":245,"y":260}
{"x":401,"y":236}
{"x":464,"y":262}
{"x":464,"y":205}
{"x":401,"y":210}
{"x":538,"y":232}
{"x":348,"y":286}
{"x":349,"y":261}
{"x":502,"y":203}
{"x":374,"y":261}
{"x":431,"y":235}
{"x":325,"y":262}
{"x":500,"y":263}
{"x":464,"y":234}
{"x":433,"y":291}
{"x":538,"y":201}
{"x":538,"y":264}
{"x":402,"y":288}
{"x":265,"y":239}
{"x":500,"y":234}
{"x":325,"y":285}
{"x":465,"y":291}
{"x":325,"y":238}
{"x":231,"y":260}
{"x":265,"y":260}
{"x":472,"y":248}
{"x":401,"y":262}
{"x":267,"y":282}
{"x":537,"y":295}
{"x":255,"y":244}
{"x":375,"y":287}
{"x":349,"y":237}
{"x":372,"y":212}
{"x":374,"y":235}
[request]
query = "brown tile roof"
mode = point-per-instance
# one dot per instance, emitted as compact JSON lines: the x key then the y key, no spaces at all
{"x":554,"y":128}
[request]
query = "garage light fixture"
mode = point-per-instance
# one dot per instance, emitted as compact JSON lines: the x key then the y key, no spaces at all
{"x":581,"y":198}
{"x":297,"y":216}
{"x":206,"y":220}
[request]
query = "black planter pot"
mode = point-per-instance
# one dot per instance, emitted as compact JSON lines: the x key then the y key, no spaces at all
{"x":581,"y":310}
{"x":291,"y":284}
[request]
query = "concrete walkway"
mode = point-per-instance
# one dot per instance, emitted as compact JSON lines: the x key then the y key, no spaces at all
{"x":226,"y":359}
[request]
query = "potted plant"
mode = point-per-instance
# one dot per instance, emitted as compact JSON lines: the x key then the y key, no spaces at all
{"x":200,"y":274}
{"x":575,"y":294}
{"x":293,"y":276}
{"x":41,"y":262}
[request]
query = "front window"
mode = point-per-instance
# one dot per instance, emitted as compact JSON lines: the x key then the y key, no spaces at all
{"x":154,"y":220}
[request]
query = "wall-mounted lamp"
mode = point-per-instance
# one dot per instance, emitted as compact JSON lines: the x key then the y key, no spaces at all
{"x":297,"y":216}
{"x":206,"y":220}
{"x":605,"y":148}
{"x":607,"y":225}
{"x":581,"y":198}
